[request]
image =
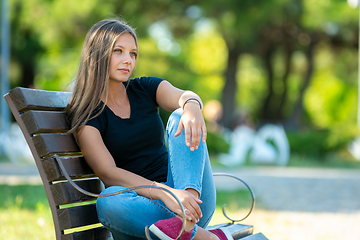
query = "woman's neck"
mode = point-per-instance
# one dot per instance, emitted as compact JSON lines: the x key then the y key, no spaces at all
{"x":117,"y":93}
{"x":118,"y":100}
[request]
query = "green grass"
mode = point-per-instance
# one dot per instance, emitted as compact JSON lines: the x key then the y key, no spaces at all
{"x":19,"y":223}
{"x":234,"y":200}
{"x":25,"y":212}
{"x":29,"y":197}
{"x":238,"y":204}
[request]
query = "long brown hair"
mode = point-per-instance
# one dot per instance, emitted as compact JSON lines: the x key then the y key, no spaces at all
{"x":92,"y":81}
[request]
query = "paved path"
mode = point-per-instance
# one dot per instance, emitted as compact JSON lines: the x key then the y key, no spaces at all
{"x":298,"y":204}
{"x":19,"y":174}
{"x":291,"y":203}
{"x":297,"y":189}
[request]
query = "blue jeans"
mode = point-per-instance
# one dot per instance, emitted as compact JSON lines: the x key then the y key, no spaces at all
{"x":127,"y":214}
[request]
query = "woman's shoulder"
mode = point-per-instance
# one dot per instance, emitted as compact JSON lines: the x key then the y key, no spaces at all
{"x":149,"y":84}
{"x":146,"y":85}
{"x":99,"y":108}
{"x":98,"y":117}
{"x":148,"y":80}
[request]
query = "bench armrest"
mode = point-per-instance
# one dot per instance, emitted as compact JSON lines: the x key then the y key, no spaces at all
{"x":248,"y":187}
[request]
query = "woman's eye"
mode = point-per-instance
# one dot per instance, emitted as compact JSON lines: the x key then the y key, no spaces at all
{"x":117,"y":50}
{"x":133,"y":54}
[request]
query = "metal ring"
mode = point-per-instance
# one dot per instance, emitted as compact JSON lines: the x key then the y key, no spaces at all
{"x":251,"y":192}
{"x":147,"y":234}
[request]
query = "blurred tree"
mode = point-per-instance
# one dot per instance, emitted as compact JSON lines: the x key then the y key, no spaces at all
{"x":267,"y":47}
{"x":47,"y":35}
{"x":275,"y":31}
{"x":25,"y":45}
{"x":332,"y":23}
{"x":42,"y":27}
{"x":241,"y":24}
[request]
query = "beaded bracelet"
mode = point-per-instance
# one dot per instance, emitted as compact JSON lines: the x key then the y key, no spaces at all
{"x":150,"y":192}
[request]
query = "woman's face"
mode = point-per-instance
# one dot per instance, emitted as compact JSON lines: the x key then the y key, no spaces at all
{"x":123,"y":58}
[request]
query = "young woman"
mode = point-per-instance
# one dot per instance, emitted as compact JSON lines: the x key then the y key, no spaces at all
{"x":116,"y":123}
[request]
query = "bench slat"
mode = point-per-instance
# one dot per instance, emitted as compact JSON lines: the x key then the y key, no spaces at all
{"x":237,"y":231}
{"x":257,"y":236}
{"x":77,"y":216}
{"x":76,"y":167}
{"x":65,"y":193}
{"x":31,"y":99}
{"x":49,"y":143}
{"x":96,"y":233}
{"x":45,"y":122}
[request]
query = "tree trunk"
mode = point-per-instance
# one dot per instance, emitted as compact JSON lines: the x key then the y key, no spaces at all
{"x":287,"y":61}
{"x":28,"y":74}
{"x":299,"y":107}
{"x":230,"y":87}
{"x":266,"y":113}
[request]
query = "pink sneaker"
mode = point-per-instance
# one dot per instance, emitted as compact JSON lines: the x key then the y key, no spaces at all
{"x":222,"y":234}
{"x":169,"y":229}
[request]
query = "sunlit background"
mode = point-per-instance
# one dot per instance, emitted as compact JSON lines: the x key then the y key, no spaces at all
{"x":279,"y":80}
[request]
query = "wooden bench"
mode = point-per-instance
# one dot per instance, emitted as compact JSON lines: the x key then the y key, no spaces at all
{"x":42,"y":118}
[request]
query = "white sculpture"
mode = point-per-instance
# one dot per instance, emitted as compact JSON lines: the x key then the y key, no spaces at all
{"x":268,"y":146}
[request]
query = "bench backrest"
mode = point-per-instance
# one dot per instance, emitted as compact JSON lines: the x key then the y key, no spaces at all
{"x":42,"y":119}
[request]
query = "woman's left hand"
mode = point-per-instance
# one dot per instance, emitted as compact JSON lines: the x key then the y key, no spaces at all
{"x":193,"y":122}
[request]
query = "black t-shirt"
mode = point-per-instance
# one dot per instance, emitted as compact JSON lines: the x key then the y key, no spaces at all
{"x":137,"y":144}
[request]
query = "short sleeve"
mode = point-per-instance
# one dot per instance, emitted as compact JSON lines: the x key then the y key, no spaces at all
{"x":150,"y":85}
{"x":98,"y":122}
{"x":95,"y":122}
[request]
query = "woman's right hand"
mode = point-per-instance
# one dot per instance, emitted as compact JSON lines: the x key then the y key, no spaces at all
{"x":188,"y":200}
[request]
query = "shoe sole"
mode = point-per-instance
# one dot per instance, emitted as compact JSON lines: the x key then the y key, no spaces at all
{"x":227,"y":233}
{"x":155,"y":230}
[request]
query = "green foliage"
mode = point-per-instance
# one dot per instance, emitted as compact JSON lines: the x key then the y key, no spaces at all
{"x":329,"y":101}
{"x":308,"y":143}
{"x":216,"y":144}
{"x":318,"y":143}
{"x":251,"y":83}
{"x":47,"y":37}
{"x":207,"y":48}
{"x":322,"y":14}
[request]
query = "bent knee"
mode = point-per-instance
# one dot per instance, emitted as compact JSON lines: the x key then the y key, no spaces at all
{"x":106,"y":201}
{"x":176,"y":115}
{"x":110,"y":205}
{"x":174,"y":119}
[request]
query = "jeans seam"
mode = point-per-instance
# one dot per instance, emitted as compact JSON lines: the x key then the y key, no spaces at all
{"x":197,"y":188}
{"x":209,"y":219}
{"x":163,"y":207}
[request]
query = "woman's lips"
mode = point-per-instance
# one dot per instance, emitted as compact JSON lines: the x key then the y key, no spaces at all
{"x":124,"y":70}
